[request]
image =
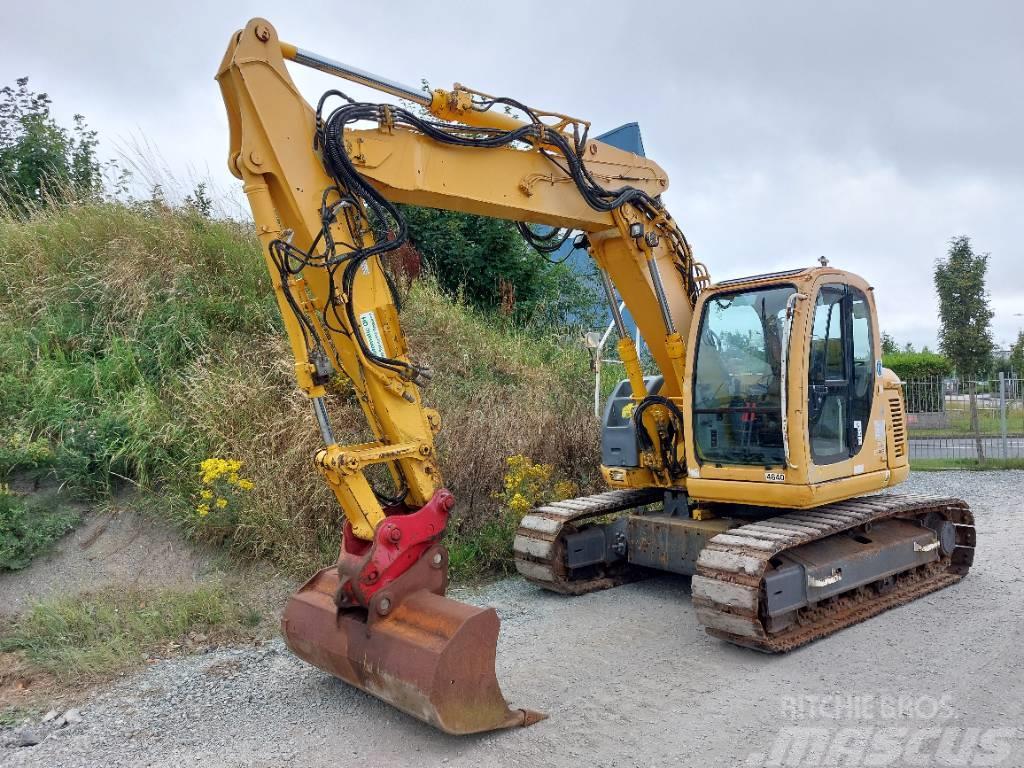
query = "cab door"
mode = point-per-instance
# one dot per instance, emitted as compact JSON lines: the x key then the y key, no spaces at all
{"x":840,"y":374}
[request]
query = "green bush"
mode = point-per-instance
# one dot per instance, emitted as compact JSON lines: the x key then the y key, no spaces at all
{"x":910,"y":366}
{"x":489,"y":264}
{"x":923,"y":372}
{"x":28,"y":529}
{"x":21,"y":453}
{"x":38,"y":157}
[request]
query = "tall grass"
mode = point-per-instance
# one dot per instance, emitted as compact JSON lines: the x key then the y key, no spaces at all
{"x":103,"y":306}
{"x":139,"y":340}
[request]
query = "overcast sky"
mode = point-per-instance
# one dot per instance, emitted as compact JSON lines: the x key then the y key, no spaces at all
{"x":868,"y":132}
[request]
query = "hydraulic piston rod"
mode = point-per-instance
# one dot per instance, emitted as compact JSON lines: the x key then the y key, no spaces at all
{"x":356,"y":75}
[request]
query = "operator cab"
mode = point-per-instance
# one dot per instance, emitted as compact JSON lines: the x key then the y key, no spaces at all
{"x":786,"y":399}
{"x":787,"y":389}
{"x":740,"y":356}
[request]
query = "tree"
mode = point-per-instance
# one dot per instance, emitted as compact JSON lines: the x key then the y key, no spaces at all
{"x":1016,"y":358}
{"x":965,"y":317}
{"x":488,"y":262}
{"x":37,"y":154}
{"x":889,"y":345}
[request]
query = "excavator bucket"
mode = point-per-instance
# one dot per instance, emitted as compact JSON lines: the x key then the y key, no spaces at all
{"x":430,"y":656}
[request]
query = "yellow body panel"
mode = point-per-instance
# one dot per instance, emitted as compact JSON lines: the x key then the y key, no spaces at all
{"x":792,"y":495}
{"x":520,"y":185}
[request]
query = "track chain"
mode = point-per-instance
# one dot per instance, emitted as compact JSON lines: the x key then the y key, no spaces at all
{"x":540,"y":545}
{"x":728,"y":590}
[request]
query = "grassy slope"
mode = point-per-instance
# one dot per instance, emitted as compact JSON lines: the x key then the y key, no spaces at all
{"x":139,"y":341}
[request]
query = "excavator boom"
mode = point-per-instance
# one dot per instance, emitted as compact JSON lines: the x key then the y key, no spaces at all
{"x":322,"y":190}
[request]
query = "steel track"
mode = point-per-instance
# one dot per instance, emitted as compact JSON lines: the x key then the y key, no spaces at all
{"x":728,"y":590}
{"x":540,"y":548}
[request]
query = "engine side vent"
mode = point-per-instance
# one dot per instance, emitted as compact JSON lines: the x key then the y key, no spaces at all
{"x":899,"y":429}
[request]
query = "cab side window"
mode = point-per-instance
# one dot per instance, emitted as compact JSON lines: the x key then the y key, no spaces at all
{"x":863,"y":365}
{"x":828,"y":409}
{"x":841,"y":373}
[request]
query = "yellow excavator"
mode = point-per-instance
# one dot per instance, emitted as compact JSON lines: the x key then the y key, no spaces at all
{"x":751,"y":462}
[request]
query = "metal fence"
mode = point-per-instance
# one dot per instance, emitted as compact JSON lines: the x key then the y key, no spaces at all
{"x":966,"y":447}
{"x":946,"y":422}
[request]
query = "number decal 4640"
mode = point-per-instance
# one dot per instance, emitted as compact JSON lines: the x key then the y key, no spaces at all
{"x":775,"y":477}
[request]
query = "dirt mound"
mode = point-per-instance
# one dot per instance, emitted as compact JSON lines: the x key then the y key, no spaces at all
{"x":115,"y":547}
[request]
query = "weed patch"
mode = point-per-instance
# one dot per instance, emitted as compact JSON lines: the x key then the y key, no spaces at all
{"x":92,"y":637}
{"x":29,"y":528}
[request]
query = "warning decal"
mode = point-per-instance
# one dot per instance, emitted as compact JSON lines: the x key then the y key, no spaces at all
{"x":368,"y":322}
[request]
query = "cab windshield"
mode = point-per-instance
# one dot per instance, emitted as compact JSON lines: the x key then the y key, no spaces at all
{"x":737,"y":388}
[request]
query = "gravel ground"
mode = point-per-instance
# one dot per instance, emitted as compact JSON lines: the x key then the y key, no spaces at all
{"x":628,"y":679}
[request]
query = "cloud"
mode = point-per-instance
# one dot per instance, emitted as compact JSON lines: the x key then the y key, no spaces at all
{"x":868,"y":132}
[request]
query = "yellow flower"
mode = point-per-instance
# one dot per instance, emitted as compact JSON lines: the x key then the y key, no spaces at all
{"x":213,"y":468}
{"x":528,"y":484}
{"x":203,"y":510}
{"x":519,"y":503}
{"x":565,"y":489}
{"x":245,"y":485}
{"x":206,"y":493}
{"x":221,"y":503}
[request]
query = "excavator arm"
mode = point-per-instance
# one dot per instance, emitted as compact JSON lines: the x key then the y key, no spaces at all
{"x":322,"y":184}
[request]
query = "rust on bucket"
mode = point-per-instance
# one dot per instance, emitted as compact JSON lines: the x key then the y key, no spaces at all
{"x":428,"y":655}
